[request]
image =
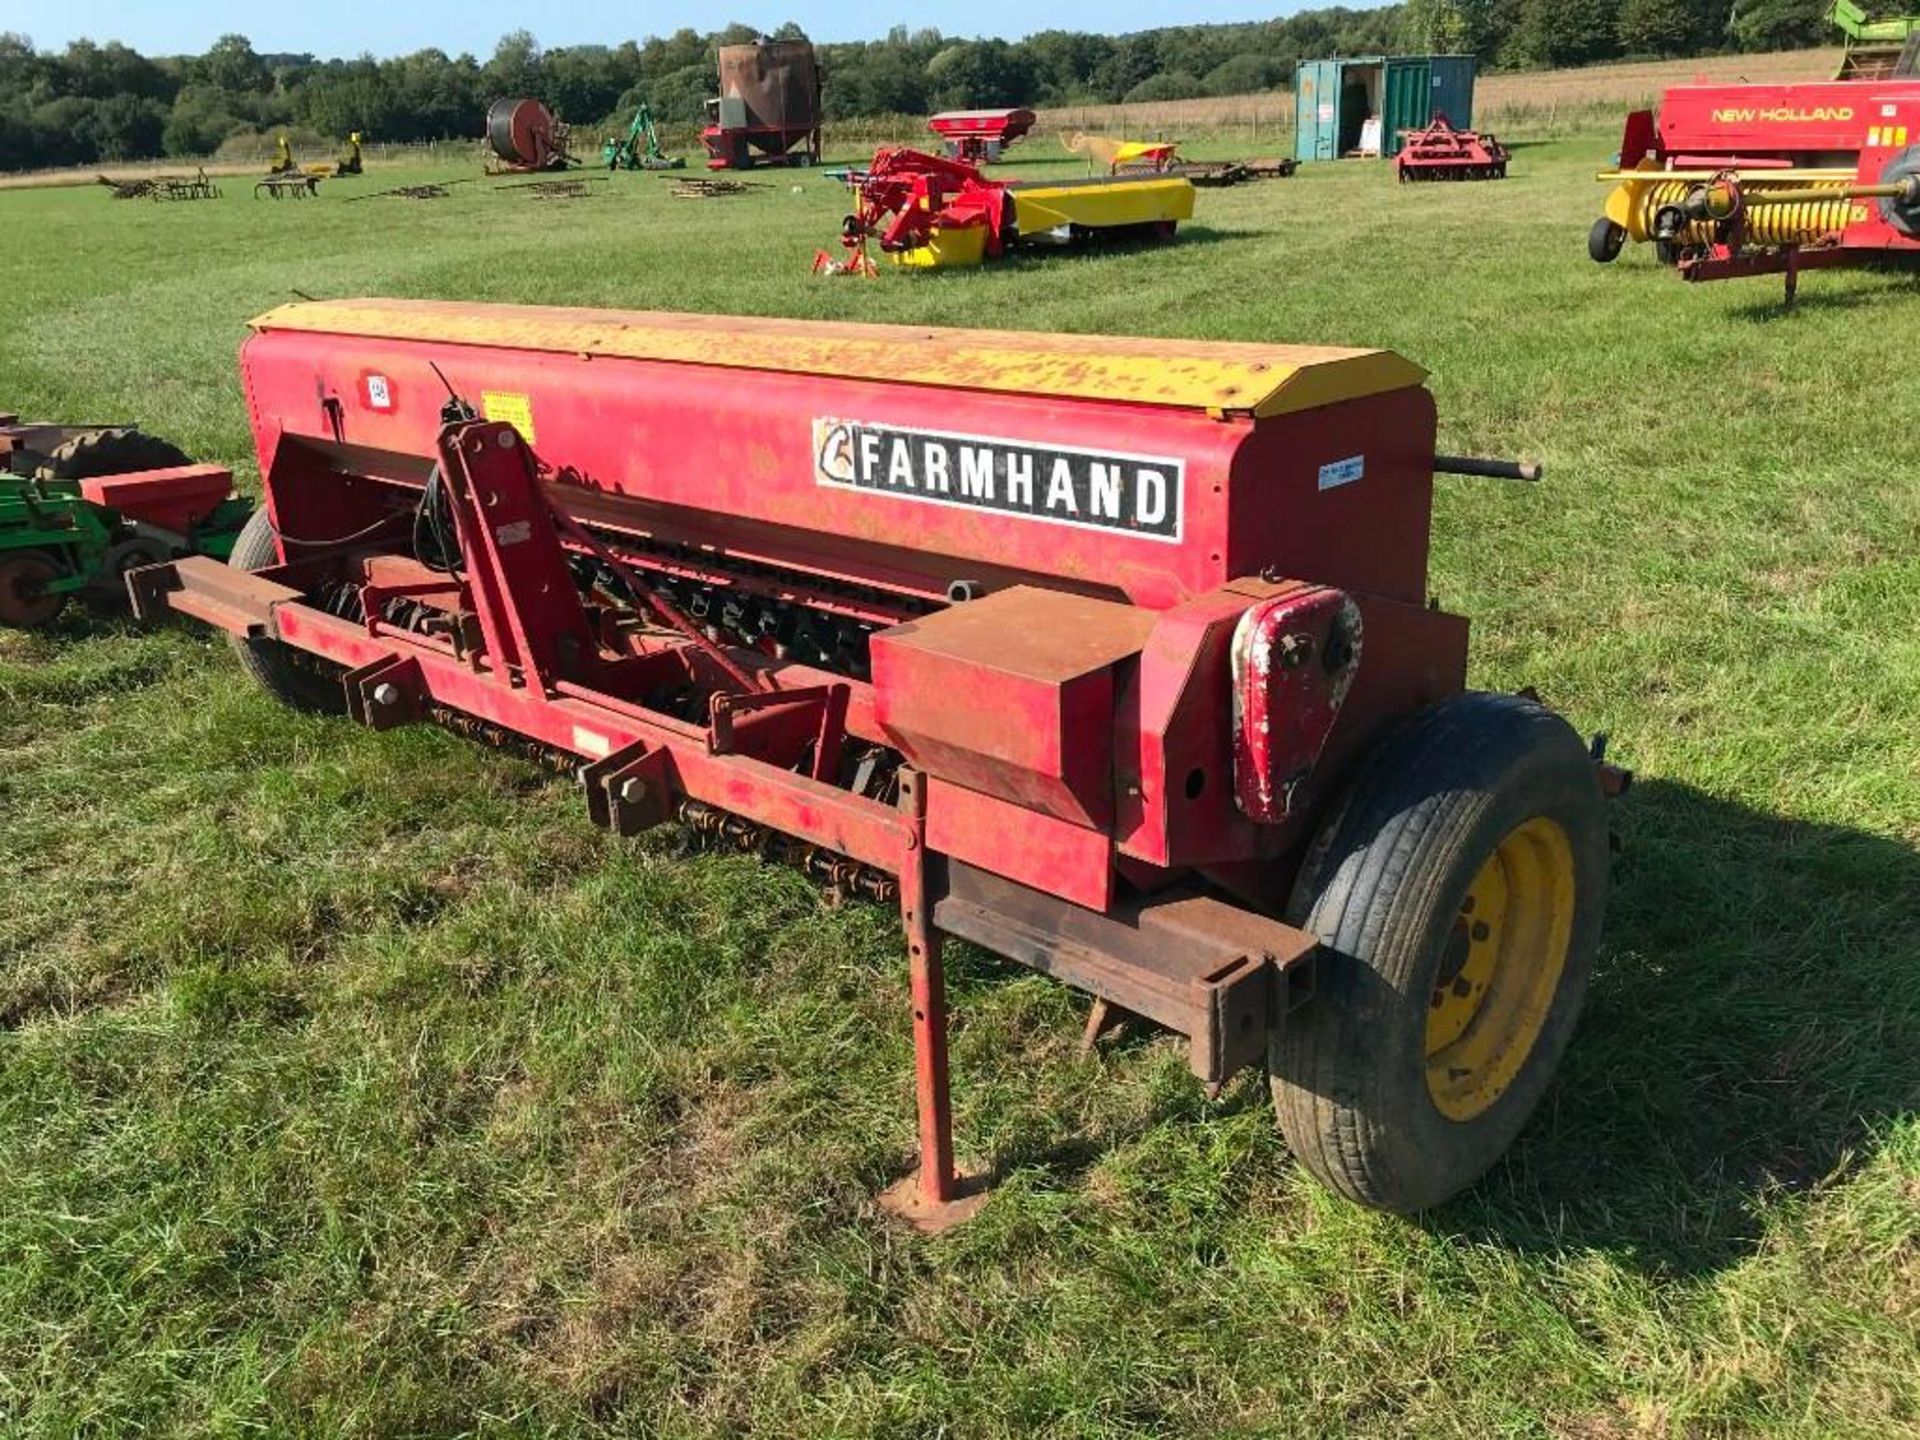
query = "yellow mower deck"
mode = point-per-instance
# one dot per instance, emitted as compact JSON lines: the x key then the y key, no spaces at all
{"x":1042,"y":208}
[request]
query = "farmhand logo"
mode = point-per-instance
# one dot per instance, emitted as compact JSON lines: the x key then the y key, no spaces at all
{"x":1061,"y":484}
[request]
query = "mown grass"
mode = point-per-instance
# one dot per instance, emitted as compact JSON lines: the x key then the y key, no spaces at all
{"x":353,"y":1083}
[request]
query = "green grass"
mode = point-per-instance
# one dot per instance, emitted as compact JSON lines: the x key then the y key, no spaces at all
{"x":354,"y":1083}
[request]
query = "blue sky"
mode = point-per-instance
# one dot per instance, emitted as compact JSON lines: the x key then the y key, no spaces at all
{"x":390,"y":27}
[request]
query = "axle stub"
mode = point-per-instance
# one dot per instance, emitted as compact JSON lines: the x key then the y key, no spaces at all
{"x":1487,"y":469}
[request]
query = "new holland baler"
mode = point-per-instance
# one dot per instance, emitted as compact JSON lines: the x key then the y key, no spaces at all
{"x":1115,"y":657}
{"x":1734,"y":180}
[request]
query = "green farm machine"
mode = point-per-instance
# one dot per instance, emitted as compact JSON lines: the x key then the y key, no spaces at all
{"x":639,"y":148}
{"x":1876,"y":49}
{"x":81,"y":505}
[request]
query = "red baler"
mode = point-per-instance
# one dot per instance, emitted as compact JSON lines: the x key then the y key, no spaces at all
{"x":1114,"y":656}
{"x":1732,"y":180}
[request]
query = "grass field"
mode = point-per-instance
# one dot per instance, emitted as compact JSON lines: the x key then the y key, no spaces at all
{"x":353,"y":1083}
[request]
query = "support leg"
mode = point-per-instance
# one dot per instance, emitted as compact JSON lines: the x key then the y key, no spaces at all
{"x":936,"y":1197}
{"x":1103,"y":1018}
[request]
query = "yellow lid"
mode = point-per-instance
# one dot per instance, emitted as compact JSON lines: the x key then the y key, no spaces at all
{"x":1219,"y":377}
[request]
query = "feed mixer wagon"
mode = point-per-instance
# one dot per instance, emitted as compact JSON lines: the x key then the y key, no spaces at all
{"x":1115,"y":657}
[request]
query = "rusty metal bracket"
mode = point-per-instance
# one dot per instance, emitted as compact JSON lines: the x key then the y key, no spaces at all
{"x":1205,"y":969}
{"x":628,"y":791}
{"x":240,"y":602}
{"x":386,"y":693}
{"x":1237,"y":1003}
{"x":147,"y":589}
{"x":374,"y":598}
{"x":530,"y":610}
{"x":789,"y":719}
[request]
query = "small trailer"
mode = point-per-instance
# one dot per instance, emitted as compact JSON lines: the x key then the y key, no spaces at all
{"x":1114,"y":656}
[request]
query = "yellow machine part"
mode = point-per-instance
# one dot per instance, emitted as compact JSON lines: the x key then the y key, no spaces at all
{"x":1638,"y":196}
{"x":1102,"y":205}
{"x":1802,"y":222}
{"x":966,"y":245}
{"x":1132,"y":152}
{"x":1040,"y":209}
{"x":1217,"y":377}
{"x":1105,"y":151}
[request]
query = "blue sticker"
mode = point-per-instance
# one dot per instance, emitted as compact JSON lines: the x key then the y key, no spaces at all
{"x":1342,"y":472}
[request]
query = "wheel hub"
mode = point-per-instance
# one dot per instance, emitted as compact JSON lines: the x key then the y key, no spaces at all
{"x":25,"y":600}
{"x":1498,"y":973}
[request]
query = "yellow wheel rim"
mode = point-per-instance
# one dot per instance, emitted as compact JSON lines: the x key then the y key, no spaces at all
{"x":1500,"y":970}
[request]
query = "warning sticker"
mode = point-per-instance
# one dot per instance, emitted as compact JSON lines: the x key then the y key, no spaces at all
{"x":1342,"y":472}
{"x":514,"y":408}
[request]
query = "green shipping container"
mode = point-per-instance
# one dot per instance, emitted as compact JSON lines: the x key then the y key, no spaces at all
{"x":1359,"y":106}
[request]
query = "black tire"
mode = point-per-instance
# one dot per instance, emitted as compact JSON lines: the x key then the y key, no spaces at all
{"x":1896,"y":212}
{"x":293,"y":677}
{"x":1605,"y":241}
{"x":1383,"y":886}
{"x":110,"y":452}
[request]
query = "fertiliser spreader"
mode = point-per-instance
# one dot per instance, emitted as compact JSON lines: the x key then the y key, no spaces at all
{"x":979,"y":136}
{"x":1113,"y":656}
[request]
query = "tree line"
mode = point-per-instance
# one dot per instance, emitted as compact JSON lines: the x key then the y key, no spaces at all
{"x":103,"y":102}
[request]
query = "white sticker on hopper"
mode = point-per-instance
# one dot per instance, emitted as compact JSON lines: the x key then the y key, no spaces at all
{"x":1342,"y":472}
